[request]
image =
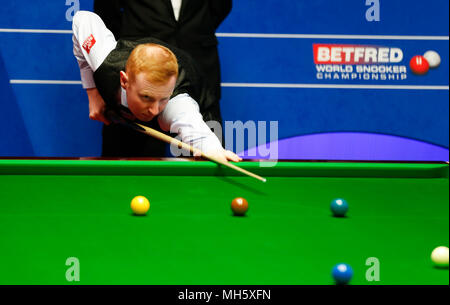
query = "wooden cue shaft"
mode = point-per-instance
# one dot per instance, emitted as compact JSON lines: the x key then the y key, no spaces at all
{"x":163,"y":137}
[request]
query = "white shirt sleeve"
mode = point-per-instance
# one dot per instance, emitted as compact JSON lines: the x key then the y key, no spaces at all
{"x":182,"y":116}
{"x":92,"y":42}
{"x":86,"y":73}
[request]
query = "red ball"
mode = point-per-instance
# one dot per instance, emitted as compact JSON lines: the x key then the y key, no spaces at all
{"x":419,"y":65}
{"x":239,"y":206}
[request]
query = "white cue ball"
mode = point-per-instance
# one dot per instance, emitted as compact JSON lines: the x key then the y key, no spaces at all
{"x":433,"y":58}
{"x":439,"y":256}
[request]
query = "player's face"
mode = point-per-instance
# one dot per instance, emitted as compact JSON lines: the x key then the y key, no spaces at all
{"x":147,"y":100}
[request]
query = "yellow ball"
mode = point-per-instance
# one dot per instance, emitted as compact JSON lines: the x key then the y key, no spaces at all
{"x":439,"y":256}
{"x":140,"y":205}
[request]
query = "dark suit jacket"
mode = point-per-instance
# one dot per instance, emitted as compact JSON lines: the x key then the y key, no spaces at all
{"x":194,"y":32}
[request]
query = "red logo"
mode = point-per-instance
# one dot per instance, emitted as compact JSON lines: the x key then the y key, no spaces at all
{"x":89,"y":43}
{"x":355,"y":54}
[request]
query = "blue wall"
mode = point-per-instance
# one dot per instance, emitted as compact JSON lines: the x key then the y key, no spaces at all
{"x":52,"y":119}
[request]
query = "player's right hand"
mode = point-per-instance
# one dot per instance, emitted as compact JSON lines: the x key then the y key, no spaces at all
{"x":96,"y":106}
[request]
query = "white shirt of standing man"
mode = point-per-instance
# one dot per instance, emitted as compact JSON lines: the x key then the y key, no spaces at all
{"x":176,"y":4}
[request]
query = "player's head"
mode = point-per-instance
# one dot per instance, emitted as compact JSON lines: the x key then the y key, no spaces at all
{"x":149,"y":80}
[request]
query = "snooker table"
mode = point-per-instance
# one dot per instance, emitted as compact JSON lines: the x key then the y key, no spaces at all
{"x":55,"y":209}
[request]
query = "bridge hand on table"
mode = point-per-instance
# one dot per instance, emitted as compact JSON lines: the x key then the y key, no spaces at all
{"x":223,"y":155}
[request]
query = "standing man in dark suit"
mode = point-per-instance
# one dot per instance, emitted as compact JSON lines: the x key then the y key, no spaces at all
{"x":187,"y":24}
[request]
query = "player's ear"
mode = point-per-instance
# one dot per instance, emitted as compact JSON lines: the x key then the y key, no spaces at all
{"x":123,"y":80}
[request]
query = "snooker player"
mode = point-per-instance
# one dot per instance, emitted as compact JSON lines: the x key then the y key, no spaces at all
{"x":144,"y":80}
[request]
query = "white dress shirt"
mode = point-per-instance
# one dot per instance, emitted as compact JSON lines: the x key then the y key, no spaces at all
{"x":176,"y":4}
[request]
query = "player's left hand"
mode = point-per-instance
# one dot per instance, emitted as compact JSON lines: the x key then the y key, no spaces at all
{"x":223,"y":155}
{"x":231,"y":156}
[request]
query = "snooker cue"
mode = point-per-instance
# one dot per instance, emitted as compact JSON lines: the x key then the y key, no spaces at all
{"x":163,"y":137}
{"x":111,"y":115}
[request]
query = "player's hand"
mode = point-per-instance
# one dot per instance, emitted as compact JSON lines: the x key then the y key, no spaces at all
{"x":96,"y":106}
{"x":223,"y":155}
{"x":231,"y":156}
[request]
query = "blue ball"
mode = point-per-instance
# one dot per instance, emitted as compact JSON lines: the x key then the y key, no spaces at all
{"x":342,"y":274}
{"x":339,"y":207}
